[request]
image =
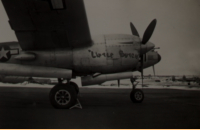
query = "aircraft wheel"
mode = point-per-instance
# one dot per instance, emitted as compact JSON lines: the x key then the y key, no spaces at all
{"x":137,"y":96}
{"x":63,"y":96}
{"x":75,"y":86}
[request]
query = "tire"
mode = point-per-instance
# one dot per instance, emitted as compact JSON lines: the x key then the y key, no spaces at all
{"x":75,"y":86}
{"x":137,"y":96}
{"x":63,"y":96}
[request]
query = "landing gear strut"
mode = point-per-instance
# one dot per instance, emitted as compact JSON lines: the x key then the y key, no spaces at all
{"x":136,"y":95}
{"x":63,"y":96}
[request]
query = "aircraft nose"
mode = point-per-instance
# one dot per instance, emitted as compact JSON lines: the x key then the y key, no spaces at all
{"x":150,"y":46}
{"x":159,"y":58}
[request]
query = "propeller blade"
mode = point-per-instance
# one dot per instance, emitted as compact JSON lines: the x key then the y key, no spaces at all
{"x":149,"y":31}
{"x":134,"y":30}
{"x":154,"y":71}
{"x":142,"y":68}
{"x":142,"y":76}
{"x":118,"y":81}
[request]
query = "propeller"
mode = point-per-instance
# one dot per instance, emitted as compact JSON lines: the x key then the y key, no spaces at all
{"x":134,"y":30}
{"x":154,"y":71}
{"x":141,"y":67}
{"x":142,"y":73}
{"x":149,"y":31}
{"x":147,"y":35}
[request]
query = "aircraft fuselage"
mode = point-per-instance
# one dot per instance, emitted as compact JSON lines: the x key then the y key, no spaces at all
{"x":108,"y":54}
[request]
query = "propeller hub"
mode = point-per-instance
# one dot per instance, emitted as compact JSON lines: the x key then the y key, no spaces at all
{"x":150,"y":46}
{"x":146,"y":48}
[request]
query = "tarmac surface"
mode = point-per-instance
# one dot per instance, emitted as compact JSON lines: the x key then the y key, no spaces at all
{"x":102,"y":108}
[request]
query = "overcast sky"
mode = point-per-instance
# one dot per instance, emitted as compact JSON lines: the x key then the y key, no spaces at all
{"x":177,"y":32}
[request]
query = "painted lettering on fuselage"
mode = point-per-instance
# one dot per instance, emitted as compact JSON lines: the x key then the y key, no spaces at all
{"x":99,"y":55}
{"x":110,"y":55}
{"x":126,"y":55}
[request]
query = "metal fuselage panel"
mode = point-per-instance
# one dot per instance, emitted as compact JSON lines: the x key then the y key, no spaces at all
{"x":108,"y":54}
{"x":58,"y":58}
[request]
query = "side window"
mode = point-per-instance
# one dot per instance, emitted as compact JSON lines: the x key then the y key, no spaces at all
{"x":58,"y":4}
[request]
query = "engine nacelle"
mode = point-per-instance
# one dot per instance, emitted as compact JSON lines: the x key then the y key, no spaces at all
{"x":34,"y":71}
{"x":90,"y":80}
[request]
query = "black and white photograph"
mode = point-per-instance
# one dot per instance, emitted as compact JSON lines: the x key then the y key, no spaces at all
{"x":99,"y":64}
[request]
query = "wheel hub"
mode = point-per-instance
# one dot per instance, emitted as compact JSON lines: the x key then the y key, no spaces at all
{"x":62,"y":97}
{"x":138,"y":96}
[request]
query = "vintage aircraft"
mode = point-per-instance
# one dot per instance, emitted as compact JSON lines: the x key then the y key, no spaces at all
{"x":54,"y":41}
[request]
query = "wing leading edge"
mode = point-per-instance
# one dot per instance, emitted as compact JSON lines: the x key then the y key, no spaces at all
{"x":48,"y":24}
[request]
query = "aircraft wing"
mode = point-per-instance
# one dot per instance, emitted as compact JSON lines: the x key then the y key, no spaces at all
{"x":48,"y":24}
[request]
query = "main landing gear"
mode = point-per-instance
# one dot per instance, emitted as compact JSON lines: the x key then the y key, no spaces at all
{"x":136,"y":95}
{"x":64,"y":96}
